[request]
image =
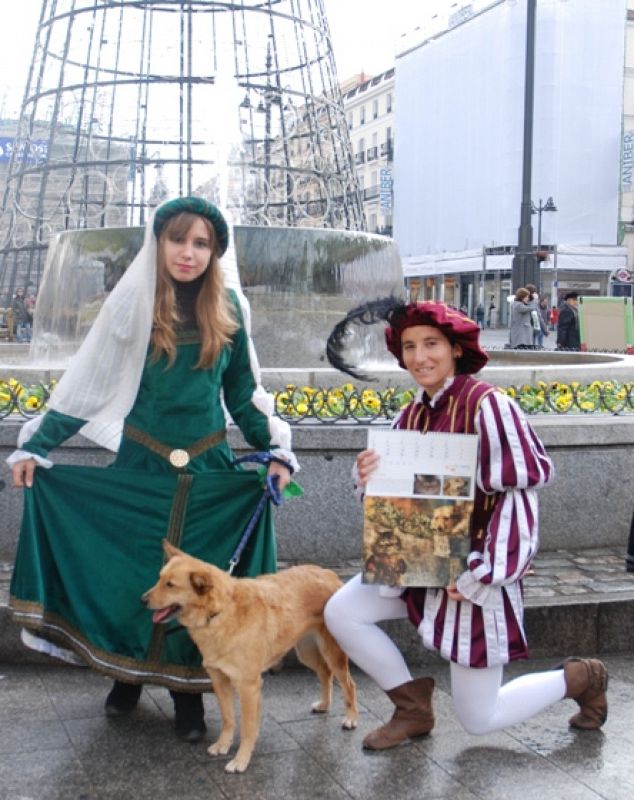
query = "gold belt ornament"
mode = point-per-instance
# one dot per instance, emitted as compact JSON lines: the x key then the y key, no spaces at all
{"x":178,"y":457}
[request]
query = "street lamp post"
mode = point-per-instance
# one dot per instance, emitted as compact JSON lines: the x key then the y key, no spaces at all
{"x":539,"y":209}
{"x":525,"y":268}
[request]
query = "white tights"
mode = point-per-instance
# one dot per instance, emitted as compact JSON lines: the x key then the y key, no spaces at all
{"x":481,"y":703}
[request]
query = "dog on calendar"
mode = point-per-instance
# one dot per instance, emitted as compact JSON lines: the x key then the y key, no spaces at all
{"x":243,"y":626}
{"x":452,"y":518}
{"x":456,"y":486}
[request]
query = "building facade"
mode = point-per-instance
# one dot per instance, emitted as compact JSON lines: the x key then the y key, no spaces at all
{"x":369,"y":105}
{"x":27,"y":225}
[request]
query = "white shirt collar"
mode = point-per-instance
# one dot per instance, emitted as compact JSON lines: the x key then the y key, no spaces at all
{"x":433,"y":400}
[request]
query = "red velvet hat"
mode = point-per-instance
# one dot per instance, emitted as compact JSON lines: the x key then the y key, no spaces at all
{"x":457,"y":327}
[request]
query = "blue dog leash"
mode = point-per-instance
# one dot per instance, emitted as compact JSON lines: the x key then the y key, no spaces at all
{"x":271,"y":492}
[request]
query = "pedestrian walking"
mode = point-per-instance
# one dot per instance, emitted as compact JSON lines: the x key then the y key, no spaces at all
{"x":491,"y":315}
{"x":521,"y":328}
{"x":568,"y":335}
{"x":542,"y":320}
{"x":475,"y":624}
{"x":22,"y":317}
{"x":553,"y":318}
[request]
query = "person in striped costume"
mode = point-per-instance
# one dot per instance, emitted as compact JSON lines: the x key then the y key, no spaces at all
{"x":477,"y":623}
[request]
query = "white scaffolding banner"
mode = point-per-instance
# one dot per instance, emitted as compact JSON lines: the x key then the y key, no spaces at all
{"x":590,"y":259}
{"x":458,"y":161}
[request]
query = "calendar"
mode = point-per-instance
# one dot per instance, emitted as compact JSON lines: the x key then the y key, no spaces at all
{"x":418,"y":507}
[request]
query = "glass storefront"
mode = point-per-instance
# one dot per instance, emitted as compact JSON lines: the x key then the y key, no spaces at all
{"x":493,"y":289}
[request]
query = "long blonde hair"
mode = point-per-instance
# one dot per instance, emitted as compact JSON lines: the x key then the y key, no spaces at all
{"x":214,"y":314}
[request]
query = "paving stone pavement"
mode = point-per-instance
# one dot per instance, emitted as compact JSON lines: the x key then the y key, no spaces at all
{"x":497,"y":338}
{"x":56,"y":744}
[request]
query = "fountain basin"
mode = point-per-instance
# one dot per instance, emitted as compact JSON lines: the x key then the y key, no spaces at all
{"x":505,"y":368}
{"x":299,"y":283}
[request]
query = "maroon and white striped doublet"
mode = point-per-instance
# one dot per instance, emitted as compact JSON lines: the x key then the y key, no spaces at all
{"x":487,"y":628}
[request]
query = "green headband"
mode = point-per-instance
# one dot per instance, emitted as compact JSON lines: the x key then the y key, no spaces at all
{"x":194,"y":205}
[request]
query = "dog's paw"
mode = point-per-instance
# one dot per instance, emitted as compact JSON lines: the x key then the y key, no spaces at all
{"x":237,"y":764}
{"x":319,"y":707}
{"x":219,"y":748}
{"x":349,"y":724}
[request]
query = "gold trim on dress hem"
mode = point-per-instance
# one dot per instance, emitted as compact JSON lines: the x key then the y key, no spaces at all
{"x":32,"y":616}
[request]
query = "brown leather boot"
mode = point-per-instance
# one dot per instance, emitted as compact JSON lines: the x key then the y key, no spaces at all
{"x":587,"y":682}
{"x":413,"y":716}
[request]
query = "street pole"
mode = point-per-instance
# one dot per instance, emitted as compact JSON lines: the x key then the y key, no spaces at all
{"x":549,"y":205}
{"x":525,"y":268}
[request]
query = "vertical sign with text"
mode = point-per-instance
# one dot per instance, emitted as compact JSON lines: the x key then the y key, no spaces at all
{"x":385,"y":197}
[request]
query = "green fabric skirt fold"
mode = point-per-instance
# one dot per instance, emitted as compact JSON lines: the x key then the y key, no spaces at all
{"x":91,"y":545}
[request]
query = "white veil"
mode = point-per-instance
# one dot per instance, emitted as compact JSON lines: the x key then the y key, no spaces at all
{"x":102,"y":379}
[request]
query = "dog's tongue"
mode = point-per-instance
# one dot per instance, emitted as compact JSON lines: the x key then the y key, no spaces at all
{"x":162,"y":613}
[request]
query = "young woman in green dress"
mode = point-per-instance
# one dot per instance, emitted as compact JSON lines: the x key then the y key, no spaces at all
{"x":169,"y":351}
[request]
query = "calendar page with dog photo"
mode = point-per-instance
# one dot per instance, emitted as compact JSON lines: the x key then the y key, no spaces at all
{"x":417,"y":508}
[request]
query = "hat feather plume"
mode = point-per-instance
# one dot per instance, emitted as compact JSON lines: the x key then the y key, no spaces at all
{"x":370,"y":313}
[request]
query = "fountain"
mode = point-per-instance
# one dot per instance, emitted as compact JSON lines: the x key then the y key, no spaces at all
{"x":299,"y":282}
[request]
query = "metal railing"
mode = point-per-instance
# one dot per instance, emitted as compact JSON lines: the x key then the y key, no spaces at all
{"x":350,"y":404}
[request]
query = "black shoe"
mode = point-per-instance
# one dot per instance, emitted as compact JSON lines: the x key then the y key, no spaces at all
{"x":122,"y":699}
{"x":189,"y":716}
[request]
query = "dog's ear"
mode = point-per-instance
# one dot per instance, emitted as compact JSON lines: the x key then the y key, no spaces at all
{"x":200,"y":582}
{"x":171,"y":551}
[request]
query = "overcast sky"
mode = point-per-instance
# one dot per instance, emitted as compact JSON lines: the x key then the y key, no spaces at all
{"x":365,"y":34}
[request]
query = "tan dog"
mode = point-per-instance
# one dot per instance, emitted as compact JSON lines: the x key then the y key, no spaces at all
{"x":456,"y":487}
{"x":243,"y":626}
{"x":450,"y":519}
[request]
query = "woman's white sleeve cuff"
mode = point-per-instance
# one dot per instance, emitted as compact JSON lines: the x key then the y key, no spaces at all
{"x":480,"y":594}
{"x":23,"y":455}
{"x":286,"y":455}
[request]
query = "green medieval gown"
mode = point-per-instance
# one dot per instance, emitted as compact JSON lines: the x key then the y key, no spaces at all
{"x":91,"y":538}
